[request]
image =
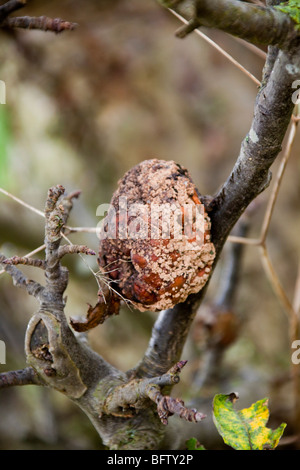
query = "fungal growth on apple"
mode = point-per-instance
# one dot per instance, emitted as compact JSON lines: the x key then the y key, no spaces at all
{"x":155,"y":247}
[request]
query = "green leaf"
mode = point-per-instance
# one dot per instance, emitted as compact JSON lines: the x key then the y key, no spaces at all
{"x":291,"y":8}
{"x":245,"y":429}
{"x":4,"y":140}
{"x":193,"y":444}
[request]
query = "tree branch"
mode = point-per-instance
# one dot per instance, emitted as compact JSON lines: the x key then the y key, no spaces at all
{"x":10,"y":7}
{"x":58,"y":359}
{"x":168,"y":337}
{"x":168,"y":406}
{"x":254,"y":23}
{"x":249,"y":177}
{"x":26,"y":376}
{"x":43,"y":23}
{"x":216,"y":325}
{"x":114,"y":401}
{"x":56,"y":215}
{"x":232,"y":269}
{"x":19,"y":280}
{"x":15,"y":260}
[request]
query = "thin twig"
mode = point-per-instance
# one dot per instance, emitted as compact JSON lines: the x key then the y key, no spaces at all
{"x":20,"y":280}
{"x":293,"y":324}
{"x":231,"y":270}
{"x":71,"y":229}
{"x":274,"y":194}
{"x":277,"y":287}
{"x":10,"y":7}
{"x":125,"y":397}
{"x":244,"y":240}
{"x":16,"y":260}
{"x":28,"y":206}
{"x":74,"y":249}
{"x":257,"y":2}
{"x":256,"y":50}
{"x":279,"y":176}
{"x":42,"y":23}
{"x":34,"y":252}
{"x":168,"y":406}
{"x":254,"y":23}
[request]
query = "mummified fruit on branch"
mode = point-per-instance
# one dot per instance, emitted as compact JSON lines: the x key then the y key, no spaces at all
{"x":155,"y":240}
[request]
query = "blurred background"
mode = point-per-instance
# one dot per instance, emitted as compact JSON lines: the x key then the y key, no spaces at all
{"x":81,"y":109}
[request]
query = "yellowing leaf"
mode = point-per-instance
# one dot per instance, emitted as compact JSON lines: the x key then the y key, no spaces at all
{"x":245,"y":429}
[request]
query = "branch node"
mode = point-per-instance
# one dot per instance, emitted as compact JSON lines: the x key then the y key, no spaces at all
{"x":188,"y":28}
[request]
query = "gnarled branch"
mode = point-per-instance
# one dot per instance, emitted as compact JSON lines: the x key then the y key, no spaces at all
{"x":254,"y":23}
